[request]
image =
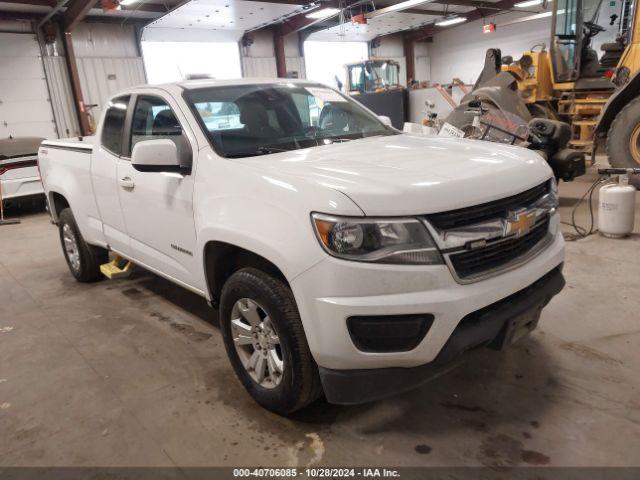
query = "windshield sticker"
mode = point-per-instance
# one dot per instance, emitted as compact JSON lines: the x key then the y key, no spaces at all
{"x":325,"y":94}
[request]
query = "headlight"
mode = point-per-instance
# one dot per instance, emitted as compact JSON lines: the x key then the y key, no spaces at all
{"x":400,"y":241}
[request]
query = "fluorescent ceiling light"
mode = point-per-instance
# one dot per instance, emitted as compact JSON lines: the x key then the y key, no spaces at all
{"x":529,"y":3}
{"x":450,"y":21}
{"x":396,"y":7}
{"x":323,"y":13}
{"x":127,"y":2}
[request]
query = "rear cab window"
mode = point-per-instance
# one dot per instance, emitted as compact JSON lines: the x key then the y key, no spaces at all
{"x":112,"y":137}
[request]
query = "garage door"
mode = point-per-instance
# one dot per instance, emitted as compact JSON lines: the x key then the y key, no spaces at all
{"x":25,"y":109}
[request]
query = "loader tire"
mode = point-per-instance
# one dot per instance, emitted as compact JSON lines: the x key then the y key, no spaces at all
{"x":623,"y":139}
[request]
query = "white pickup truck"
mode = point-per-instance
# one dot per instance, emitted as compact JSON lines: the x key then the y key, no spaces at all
{"x":343,"y":256}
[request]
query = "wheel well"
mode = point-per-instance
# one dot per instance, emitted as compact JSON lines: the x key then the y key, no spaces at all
{"x":58,"y":203}
{"x":625,"y":94}
{"x":222,"y":259}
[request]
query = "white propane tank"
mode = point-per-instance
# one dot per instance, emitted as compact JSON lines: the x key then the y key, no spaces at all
{"x":616,"y":208}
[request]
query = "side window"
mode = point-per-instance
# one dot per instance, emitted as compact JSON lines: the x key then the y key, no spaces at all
{"x":153,"y":119}
{"x":113,"y":125}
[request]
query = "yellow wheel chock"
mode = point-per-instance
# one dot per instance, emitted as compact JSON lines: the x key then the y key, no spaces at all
{"x":117,"y":268}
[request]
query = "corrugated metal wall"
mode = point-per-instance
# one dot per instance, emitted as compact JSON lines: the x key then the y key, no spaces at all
{"x":293,"y":55}
{"x":108,"y":61}
{"x":259,"y":67}
{"x":296,"y":64}
{"x":259,"y":60}
{"x":61,"y":97}
{"x":103,"y":77}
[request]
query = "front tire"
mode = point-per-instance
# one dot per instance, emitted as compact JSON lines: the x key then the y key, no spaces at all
{"x":83,"y":260}
{"x":265,"y":341}
{"x":623,"y":139}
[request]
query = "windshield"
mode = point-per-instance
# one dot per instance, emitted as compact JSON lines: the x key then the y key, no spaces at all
{"x":370,"y":76}
{"x":250,"y":120}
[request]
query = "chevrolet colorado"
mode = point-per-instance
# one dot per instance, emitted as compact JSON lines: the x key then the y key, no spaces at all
{"x":344,"y":257}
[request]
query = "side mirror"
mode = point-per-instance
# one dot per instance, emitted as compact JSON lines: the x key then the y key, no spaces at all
{"x":156,"y":156}
{"x":386,"y":120}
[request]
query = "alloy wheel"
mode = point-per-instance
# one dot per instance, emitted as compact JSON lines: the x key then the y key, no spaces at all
{"x":257,"y":343}
{"x":71,"y":249}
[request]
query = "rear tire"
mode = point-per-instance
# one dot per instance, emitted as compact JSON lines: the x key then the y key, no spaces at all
{"x":623,"y":139}
{"x":293,"y":382}
{"x":83,"y":260}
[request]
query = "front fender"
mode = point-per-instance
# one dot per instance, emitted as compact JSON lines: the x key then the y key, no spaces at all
{"x":269,"y":215}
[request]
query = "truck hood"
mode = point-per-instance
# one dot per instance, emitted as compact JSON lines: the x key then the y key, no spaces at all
{"x":410,"y":175}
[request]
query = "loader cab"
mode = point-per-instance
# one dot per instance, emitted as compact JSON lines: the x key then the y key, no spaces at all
{"x":587,"y":41}
{"x":372,"y":76}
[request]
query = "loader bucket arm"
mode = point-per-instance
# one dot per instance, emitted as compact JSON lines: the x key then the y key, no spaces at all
{"x":492,"y":65}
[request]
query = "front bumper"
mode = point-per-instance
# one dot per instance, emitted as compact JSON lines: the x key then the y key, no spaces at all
{"x":491,"y":326}
{"x":333,"y":290}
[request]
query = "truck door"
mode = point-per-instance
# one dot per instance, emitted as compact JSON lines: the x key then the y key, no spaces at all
{"x":158,"y":206}
{"x":104,"y":165}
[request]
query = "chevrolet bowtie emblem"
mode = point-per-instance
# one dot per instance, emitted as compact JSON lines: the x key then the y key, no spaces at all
{"x":519,"y":222}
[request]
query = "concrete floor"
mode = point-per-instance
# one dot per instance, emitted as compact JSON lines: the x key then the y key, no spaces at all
{"x":133,"y":373}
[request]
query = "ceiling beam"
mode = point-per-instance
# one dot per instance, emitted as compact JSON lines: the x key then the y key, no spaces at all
{"x":39,"y":3}
{"x":145,"y":7}
{"x":31,"y":17}
{"x":75,"y":13}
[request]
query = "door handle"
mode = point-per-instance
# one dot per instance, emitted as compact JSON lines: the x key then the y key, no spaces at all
{"x":126,"y":182}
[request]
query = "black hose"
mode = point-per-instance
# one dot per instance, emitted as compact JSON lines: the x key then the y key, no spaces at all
{"x":582,"y":232}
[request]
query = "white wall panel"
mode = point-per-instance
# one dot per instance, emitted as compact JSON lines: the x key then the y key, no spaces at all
{"x":460,"y":51}
{"x":423,"y":61}
{"x":25,"y":106}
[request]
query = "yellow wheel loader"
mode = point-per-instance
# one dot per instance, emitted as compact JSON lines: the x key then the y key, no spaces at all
{"x":597,"y":95}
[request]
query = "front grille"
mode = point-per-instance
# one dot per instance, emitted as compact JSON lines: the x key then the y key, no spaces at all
{"x":487,"y":211}
{"x":498,"y":253}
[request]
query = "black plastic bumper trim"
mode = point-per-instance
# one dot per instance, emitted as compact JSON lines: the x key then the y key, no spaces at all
{"x":480,"y":328}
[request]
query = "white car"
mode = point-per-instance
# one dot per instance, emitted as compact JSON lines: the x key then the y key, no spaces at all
{"x":343,"y":256}
{"x":19,"y":177}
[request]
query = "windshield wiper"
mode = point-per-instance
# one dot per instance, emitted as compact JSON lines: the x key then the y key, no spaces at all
{"x":338,"y":139}
{"x":256,"y":152}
